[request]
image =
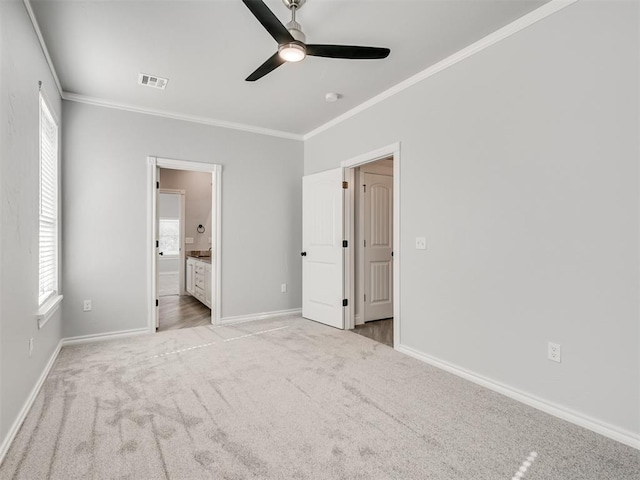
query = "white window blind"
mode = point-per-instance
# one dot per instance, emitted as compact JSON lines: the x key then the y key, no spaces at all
{"x":48,"y":259}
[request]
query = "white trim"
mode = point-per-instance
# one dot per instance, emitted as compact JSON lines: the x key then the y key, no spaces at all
{"x":392,"y":150}
{"x":47,"y":309}
{"x":259,"y":316}
{"x":514,"y":27}
{"x":13,"y":431}
{"x":597,"y":426}
{"x":216,"y":221}
{"x":100,"y":337}
{"x":348,"y":258}
{"x":73,"y":97}
{"x":45,"y":51}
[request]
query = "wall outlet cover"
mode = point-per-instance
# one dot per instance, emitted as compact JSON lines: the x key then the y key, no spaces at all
{"x":86,"y":305}
{"x":554,"y":352}
{"x":188,"y":240}
{"x":421,"y":243}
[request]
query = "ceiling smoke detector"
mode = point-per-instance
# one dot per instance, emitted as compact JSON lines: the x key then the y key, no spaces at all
{"x":152,"y":81}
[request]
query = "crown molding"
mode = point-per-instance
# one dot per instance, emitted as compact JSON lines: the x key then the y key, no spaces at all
{"x":45,"y":51}
{"x":514,"y":27}
{"x":73,"y":97}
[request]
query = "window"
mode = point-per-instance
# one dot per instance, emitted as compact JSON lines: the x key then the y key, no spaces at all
{"x":169,"y":232}
{"x":48,"y":256}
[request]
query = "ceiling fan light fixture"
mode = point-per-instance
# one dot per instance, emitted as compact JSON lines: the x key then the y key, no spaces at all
{"x":292,"y":52}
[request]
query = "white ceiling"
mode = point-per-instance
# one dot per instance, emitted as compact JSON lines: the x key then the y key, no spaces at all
{"x":208,"y":47}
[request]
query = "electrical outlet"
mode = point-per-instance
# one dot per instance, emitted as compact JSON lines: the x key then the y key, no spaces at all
{"x":188,"y":240}
{"x":30,"y":347}
{"x":554,"y":352}
{"x":87,"y":306}
{"x":421,"y":243}
{"x":283,"y":288}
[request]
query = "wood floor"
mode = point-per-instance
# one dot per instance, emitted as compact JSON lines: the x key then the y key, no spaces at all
{"x":182,"y":312}
{"x":380,"y":331}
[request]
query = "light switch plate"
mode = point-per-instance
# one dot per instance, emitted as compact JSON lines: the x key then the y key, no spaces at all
{"x":188,"y":240}
{"x":421,"y":243}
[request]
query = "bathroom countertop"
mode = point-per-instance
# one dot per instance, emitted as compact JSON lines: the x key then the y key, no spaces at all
{"x":201,"y":259}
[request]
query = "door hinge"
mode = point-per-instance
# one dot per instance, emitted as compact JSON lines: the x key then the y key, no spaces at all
{"x":345,"y":303}
{"x":157,"y":184}
{"x":365,"y":297}
{"x":345,"y":243}
{"x":157,"y":244}
{"x":345,"y":184}
{"x":365,"y":243}
{"x":157,"y":303}
{"x":364,"y":188}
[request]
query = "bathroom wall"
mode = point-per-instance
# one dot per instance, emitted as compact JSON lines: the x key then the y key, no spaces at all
{"x":197,"y":187}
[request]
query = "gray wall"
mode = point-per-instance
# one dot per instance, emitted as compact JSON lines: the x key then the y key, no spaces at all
{"x":105,"y":214}
{"x":22,"y":66}
{"x":520,"y":166}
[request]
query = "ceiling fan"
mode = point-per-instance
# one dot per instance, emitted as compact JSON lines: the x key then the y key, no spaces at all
{"x":291,"y":41}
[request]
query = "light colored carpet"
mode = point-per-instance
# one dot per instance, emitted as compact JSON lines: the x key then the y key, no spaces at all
{"x":287,"y":399}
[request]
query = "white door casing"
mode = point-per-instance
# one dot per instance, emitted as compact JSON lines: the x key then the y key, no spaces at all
{"x":322,"y":250}
{"x":378,"y":246}
{"x":156,"y":236}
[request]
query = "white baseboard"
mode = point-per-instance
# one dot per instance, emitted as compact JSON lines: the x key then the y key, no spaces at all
{"x":259,"y":316}
{"x":99,"y":337}
{"x":13,"y":431}
{"x":623,"y":436}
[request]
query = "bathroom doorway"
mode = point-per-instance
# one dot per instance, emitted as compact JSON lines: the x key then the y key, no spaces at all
{"x":185,"y":263}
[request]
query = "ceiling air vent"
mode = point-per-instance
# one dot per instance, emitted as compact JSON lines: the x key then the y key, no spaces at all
{"x":152,"y":81}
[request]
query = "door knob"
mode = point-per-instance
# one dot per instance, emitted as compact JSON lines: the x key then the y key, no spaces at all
{"x":304,"y":254}
{"x":161,"y":253}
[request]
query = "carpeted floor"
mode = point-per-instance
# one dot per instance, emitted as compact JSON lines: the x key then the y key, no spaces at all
{"x":287,"y":399}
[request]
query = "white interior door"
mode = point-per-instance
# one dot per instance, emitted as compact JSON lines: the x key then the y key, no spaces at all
{"x":322,"y":251}
{"x":170,"y":226}
{"x":378,"y":247}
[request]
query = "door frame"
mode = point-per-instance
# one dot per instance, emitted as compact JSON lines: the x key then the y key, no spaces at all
{"x":181,"y":255}
{"x":153,"y":163}
{"x":349,"y":166}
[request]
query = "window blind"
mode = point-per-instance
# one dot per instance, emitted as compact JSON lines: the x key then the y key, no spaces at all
{"x":48,"y":258}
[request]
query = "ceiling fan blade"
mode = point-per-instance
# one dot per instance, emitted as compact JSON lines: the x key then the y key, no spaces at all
{"x":348,"y":51}
{"x":269,"y":21}
{"x":270,"y":65}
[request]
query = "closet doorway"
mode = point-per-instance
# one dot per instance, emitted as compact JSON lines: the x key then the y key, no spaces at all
{"x":373,"y":229}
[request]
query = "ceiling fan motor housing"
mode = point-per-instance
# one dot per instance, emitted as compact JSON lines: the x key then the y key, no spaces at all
{"x":295,"y":29}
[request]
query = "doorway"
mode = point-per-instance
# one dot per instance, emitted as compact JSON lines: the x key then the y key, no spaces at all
{"x":373,"y":250}
{"x":330,"y":226}
{"x":184,"y":231}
